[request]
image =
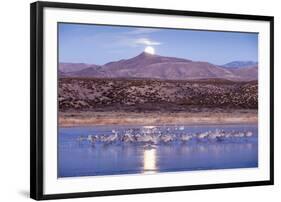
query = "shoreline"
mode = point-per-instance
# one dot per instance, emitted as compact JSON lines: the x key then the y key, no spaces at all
{"x":83,"y":119}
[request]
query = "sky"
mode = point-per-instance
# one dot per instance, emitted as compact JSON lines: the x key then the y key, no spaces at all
{"x":100,"y":44}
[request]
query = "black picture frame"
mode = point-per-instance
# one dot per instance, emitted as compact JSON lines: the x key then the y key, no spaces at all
{"x":36,"y":98}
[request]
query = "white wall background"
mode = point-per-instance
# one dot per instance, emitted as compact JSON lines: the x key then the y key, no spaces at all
{"x":14,"y":100}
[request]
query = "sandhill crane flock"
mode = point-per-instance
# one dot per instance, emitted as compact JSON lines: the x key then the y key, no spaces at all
{"x":155,"y":136}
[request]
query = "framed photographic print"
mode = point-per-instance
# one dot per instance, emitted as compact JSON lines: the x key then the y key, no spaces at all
{"x":136,"y":100}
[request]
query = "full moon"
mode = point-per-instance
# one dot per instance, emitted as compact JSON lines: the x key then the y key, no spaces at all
{"x":149,"y":50}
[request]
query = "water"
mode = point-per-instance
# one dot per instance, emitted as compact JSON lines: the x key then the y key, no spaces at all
{"x":100,"y":150}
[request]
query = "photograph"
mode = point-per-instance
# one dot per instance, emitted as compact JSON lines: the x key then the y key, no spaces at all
{"x":150,"y":100}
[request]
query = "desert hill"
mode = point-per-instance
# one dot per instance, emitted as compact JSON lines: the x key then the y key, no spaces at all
{"x":76,"y":94}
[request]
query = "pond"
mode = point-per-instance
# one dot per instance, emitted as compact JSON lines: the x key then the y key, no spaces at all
{"x":115,"y":150}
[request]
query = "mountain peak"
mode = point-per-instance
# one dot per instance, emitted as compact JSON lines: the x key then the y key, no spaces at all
{"x":145,"y":54}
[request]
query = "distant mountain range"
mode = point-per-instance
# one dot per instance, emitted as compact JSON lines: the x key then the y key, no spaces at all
{"x":146,"y":65}
{"x":72,"y":67}
{"x":240,"y":64}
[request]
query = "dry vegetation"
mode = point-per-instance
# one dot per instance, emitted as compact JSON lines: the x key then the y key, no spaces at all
{"x":86,"y":101}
